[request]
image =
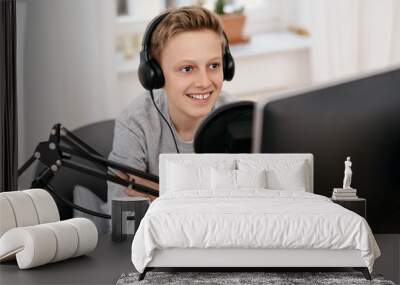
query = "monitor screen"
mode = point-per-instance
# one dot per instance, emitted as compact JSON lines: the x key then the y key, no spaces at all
{"x":360,"y":118}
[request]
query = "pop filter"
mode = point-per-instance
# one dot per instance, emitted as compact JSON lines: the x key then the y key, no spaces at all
{"x":227,"y":129}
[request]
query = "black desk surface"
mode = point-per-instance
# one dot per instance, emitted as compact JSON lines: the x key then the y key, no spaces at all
{"x":104,"y":265}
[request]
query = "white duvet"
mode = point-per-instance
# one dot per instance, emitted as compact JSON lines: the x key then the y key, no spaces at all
{"x":252,"y":218}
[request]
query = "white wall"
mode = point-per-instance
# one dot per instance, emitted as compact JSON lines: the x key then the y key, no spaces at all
{"x":67,"y":66}
{"x":353,"y":36}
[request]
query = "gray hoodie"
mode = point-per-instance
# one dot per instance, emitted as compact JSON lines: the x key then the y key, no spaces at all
{"x":140,"y":135}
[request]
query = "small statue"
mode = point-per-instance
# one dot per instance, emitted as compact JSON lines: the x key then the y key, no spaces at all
{"x":347,"y":174}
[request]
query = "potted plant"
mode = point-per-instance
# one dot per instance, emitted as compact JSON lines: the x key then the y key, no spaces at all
{"x":233,"y":20}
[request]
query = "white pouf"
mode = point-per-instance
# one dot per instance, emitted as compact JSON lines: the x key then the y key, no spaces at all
{"x":45,"y":205}
{"x":40,"y":244}
{"x":26,"y":208}
{"x":32,"y":233}
{"x":23,"y":208}
{"x":7,"y":218}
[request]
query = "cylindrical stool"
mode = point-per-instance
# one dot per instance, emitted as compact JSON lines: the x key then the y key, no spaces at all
{"x":119,"y":217}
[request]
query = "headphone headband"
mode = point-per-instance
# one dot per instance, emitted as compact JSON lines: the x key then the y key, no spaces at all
{"x":150,"y":29}
{"x":153,"y":25}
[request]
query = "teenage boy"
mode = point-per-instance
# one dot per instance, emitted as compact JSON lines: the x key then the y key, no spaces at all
{"x":189,"y":45}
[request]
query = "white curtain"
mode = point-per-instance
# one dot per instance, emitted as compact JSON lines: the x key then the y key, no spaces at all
{"x":66,"y":66}
{"x":353,"y":36}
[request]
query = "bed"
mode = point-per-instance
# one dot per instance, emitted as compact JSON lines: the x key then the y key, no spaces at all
{"x":246,"y":211}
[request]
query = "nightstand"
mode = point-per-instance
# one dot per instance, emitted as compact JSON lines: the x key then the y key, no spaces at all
{"x":357,"y":205}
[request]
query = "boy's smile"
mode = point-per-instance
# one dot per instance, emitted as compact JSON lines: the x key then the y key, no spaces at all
{"x":200,"y":97}
{"x":192,"y":66}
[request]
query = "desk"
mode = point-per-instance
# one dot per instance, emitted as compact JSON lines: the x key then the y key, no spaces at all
{"x":102,"y":266}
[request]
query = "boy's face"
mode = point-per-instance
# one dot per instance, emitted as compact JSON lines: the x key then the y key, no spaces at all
{"x":192,"y":67}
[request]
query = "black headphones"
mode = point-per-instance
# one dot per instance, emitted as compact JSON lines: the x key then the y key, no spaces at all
{"x":150,"y":72}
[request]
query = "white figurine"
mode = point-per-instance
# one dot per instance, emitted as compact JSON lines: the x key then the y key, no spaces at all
{"x":347,"y":174}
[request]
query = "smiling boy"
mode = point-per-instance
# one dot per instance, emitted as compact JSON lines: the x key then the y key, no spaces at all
{"x":189,"y":46}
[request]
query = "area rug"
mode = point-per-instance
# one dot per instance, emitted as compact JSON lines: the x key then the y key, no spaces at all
{"x":243,"y":278}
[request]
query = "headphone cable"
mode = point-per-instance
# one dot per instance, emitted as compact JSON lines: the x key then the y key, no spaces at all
{"x":169,"y":126}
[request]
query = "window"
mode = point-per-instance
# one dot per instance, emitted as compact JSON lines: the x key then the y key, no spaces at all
{"x":262,"y":15}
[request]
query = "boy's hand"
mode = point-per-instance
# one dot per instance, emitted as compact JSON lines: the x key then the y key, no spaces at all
{"x":141,"y":181}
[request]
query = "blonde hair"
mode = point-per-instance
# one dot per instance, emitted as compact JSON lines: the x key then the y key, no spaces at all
{"x":189,"y":18}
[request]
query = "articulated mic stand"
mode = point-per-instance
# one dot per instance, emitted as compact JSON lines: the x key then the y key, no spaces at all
{"x":55,"y":155}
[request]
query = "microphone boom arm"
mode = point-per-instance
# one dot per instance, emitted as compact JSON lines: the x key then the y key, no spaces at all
{"x":55,"y":156}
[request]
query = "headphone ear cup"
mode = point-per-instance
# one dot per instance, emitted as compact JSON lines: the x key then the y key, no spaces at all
{"x":229,"y":66}
{"x":158,"y":80}
{"x":150,"y":73}
{"x":145,"y":74}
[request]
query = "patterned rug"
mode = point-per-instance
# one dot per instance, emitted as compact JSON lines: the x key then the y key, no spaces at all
{"x":243,"y":278}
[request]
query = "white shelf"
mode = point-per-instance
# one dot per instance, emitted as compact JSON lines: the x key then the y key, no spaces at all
{"x":262,"y":44}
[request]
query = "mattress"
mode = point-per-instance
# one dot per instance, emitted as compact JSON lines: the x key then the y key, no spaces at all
{"x":250,"y":219}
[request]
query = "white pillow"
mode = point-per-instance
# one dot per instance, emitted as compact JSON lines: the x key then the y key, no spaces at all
{"x":226,"y":179}
{"x":251,"y":178}
{"x":223,"y":179}
{"x":188,"y":177}
{"x":280,"y":174}
{"x":188,"y":174}
{"x":289,"y":179}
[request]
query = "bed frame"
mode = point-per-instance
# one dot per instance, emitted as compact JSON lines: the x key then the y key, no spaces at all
{"x":244,"y":259}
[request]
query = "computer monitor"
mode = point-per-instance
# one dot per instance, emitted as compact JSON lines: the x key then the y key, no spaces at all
{"x":357,"y":117}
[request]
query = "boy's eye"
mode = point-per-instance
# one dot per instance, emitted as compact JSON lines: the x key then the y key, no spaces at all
{"x":214,"y":65}
{"x":187,"y":68}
